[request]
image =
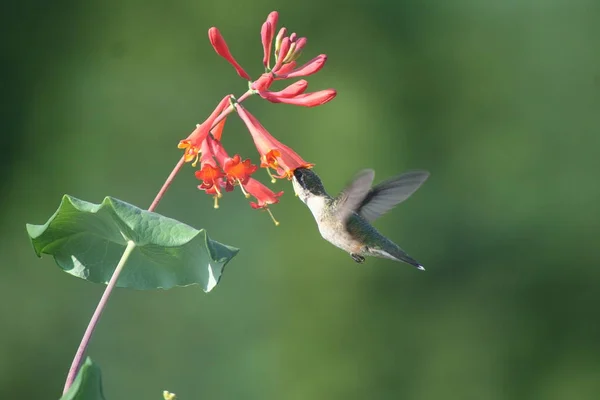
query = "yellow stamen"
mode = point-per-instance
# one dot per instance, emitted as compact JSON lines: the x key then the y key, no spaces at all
{"x":196,"y":160}
{"x":273,"y":180}
{"x":272,"y":217}
{"x":246,"y":194}
{"x":216,"y":202}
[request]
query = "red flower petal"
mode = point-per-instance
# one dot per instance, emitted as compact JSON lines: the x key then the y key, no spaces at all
{"x":220,"y":46}
{"x":237,"y":170}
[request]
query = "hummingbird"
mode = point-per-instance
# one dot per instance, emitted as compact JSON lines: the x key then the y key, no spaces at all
{"x":345,"y":221}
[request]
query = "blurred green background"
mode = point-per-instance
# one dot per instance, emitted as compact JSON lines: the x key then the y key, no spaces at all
{"x":500,"y":100}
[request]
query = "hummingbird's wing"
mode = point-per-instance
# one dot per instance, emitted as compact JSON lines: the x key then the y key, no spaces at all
{"x":383,"y":197}
{"x":354,"y":194}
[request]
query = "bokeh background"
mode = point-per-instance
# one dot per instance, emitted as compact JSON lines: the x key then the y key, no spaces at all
{"x":500,"y":100}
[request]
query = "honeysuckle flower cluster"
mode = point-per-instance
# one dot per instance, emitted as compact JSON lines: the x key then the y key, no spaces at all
{"x":218,"y":171}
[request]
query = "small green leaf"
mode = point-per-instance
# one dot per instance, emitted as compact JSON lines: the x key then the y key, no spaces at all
{"x":87,"y":384}
{"x":87,"y":241}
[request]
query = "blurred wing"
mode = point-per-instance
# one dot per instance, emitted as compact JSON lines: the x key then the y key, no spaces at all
{"x":353,"y":195}
{"x":386,"y":195}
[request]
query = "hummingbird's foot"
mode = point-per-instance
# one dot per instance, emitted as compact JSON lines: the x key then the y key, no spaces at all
{"x":357,"y":258}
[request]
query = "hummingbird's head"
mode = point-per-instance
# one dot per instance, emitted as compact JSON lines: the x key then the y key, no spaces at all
{"x":307,"y":184}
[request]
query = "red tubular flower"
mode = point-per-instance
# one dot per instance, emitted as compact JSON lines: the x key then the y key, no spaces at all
{"x":307,"y":69}
{"x":273,"y":153}
{"x":220,"y":46}
{"x":307,"y":99}
{"x":263,"y":195}
{"x":193,"y":143}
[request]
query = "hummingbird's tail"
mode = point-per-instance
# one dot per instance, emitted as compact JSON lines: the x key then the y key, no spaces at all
{"x":393,"y":252}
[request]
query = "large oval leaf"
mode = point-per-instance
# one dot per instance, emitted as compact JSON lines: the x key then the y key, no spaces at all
{"x":87,"y":241}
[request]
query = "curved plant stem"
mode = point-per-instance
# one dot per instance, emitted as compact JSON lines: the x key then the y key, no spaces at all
{"x":96,"y":316}
{"x":166,"y":185}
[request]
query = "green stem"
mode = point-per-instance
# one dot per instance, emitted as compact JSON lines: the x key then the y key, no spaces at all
{"x":96,"y":316}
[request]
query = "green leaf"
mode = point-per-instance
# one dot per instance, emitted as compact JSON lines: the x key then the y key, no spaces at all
{"x":87,"y":241}
{"x":87,"y":384}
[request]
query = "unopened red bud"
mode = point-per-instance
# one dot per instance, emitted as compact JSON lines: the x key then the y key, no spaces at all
{"x":283,"y":50}
{"x":272,"y":18}
{"x":218,"y":43}
{"x":279,"y":39}
{"x":292,"y":90}
{"x":285,"y":69}
{"x":307,"y":69}
{"x":290,"y":53}
{"x":263,"y":83}
{"x":300,"y":43}
{"x":293,"y":37}
{"x":266,"y":38}
{"x":306,"y":100}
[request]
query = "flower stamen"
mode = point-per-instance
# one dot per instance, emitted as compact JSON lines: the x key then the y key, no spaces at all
{"x":246,"y":194}
{"x":272,"y":217}
{"x":273,"y":180}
